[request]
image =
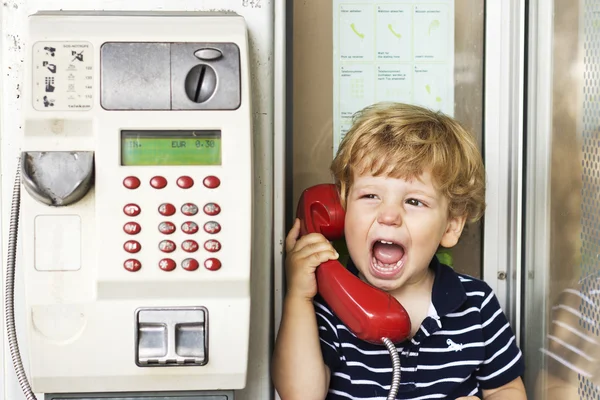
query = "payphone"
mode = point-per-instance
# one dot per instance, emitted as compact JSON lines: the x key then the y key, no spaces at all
{"x":136,"y":213}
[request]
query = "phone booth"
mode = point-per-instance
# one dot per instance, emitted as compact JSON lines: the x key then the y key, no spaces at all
{"x":135,"y":270}
{"x":462,"y":57}
{"x":522,"y":76}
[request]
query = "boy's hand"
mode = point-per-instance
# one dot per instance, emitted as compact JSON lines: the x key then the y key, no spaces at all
{"x":303,"y":257}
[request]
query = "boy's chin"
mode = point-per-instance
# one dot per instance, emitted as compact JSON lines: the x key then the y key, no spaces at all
{"x":387,"y":285}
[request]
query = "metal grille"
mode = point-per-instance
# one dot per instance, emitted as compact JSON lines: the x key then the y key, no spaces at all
{"x":590,"y":204}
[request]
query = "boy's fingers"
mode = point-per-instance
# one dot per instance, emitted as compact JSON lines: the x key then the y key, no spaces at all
{"x":320,"y":257}
{"x":305,"y":250}
{"x":292,"y":237}
{"x":310,"y":239}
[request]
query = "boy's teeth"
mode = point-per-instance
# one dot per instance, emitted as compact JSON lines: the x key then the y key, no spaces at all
{"x":386,"y":267}
{"x":386,"y":242}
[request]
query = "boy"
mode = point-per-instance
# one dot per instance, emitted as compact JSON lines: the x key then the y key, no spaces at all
{"x":408,"y":179}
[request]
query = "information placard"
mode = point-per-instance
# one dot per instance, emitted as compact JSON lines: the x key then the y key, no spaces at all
{"x":391,"y":51}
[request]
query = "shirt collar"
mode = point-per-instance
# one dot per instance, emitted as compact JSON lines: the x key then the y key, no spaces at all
{"x":448,"y":293}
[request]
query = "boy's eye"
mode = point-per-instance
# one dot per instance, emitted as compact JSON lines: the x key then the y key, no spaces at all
{"x":414,"y":202}
{"x":368,"y":196}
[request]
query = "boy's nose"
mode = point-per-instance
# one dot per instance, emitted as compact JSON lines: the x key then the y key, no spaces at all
{"x":389,"y":215}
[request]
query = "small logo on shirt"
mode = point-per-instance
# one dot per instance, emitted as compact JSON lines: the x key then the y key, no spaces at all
{"x":454,"y":346}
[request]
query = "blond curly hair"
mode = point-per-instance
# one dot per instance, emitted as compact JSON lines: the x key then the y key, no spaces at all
{"x":402,"y":141}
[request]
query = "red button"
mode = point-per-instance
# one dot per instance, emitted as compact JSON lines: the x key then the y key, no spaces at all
{"x":166,"y":264}
{"x":132,"y":265}
{"x":212,"y":209}
{"x":132,"y":228}
{"x":189,"y":227}
{"x":190,"y":264}
{"x":167,"y":246}
{"x":166,"y":227}
{"x":158,"y":182}
{"x":131,"y":246}
{"x":189,"y":246}
{"x":212,"y":227}
{"x":212,"y":264}
{"x":131,"y":182}
{"x":211,"y":182}
{"x":166,"y":209}
{"x":212,"y":245}
{"x":189,"y":209}
{"x":132,"y":210}
{"x":185,"y":182}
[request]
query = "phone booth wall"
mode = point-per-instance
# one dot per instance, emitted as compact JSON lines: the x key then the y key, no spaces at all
{"x":260,"y":17}
{"x":316,"y":103}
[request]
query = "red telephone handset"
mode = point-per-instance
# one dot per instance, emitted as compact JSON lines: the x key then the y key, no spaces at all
{"x":370,"y":313}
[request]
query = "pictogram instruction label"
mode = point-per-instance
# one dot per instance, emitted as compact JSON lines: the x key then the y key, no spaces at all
{"x":400,"y":51}
{"x":63,"y":78}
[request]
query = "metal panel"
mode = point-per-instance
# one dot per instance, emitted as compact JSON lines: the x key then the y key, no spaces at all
{"x":503,"y":152}
{"x":227,"y":94}
{"x":135,"y":76}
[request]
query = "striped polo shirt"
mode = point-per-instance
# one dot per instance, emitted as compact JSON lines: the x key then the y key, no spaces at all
{"x":572,"y":348}
{"x":464,"y":345}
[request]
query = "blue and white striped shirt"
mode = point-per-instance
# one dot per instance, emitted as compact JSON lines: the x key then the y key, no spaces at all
{"x":464,"y":345}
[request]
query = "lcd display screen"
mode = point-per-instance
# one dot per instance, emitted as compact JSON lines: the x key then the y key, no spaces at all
{"x":170,"y":147}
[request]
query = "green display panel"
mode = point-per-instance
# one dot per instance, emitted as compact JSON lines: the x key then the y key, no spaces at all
{"x":172,"y":147}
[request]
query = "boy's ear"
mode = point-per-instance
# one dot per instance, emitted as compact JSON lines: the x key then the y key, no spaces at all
{"x":453,"y":231}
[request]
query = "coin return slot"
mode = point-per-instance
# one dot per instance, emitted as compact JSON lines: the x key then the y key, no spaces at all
{"x":153,"y":340}
{"x":171,"y":337}
{"x":189,"y":340}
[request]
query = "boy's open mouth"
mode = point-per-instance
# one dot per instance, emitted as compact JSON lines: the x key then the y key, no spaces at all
{"x":387,"y":258}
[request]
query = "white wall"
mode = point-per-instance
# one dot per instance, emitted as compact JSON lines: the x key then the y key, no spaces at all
{"x":259,"y":15}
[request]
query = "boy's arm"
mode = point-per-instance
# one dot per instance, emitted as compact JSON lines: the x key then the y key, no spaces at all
{"x":514,"y":390}
{"x":299,"y":371}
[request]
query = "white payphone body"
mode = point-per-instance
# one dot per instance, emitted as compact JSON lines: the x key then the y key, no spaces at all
{"x":135,"y":232}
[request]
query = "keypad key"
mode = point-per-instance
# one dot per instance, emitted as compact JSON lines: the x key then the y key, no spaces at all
{"x":158,"y":182}
{"x":166,"y":209}
{"x":211,"y":182}
{"x":132,"y":210}
{"x":189,"y":227}
{"x":166,"y":264}
{"x":131,"y":182}
{"x":190,"y":246}
{"x":167,"y":246}
{"x":212,"y":227}
{"x":132,"y":246}
{"x":132,"y":228}
{"x":132,"y":265}
{"x":185,"y":182}
{"x":189,"y":209}
{"x":212,"y":264}
{"x":212,"y":209}
{"x":212,"y":245}
{"x":190,"y":264}
{"x":166,"y":227}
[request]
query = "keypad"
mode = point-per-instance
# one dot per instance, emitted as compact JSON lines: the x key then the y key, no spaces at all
{"x":175,"y":238}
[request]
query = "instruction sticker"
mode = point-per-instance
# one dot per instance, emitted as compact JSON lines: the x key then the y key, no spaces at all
{"x":63,"y":78}
{"x":391,"y":51}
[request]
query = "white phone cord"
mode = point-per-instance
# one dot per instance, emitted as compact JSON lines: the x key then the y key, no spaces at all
{"x":9,"y":290}
{"x":395,"y":368}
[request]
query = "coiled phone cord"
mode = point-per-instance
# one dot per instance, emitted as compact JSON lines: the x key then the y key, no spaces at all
{"x":395,"y":368}
{"x":9,"y":290}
